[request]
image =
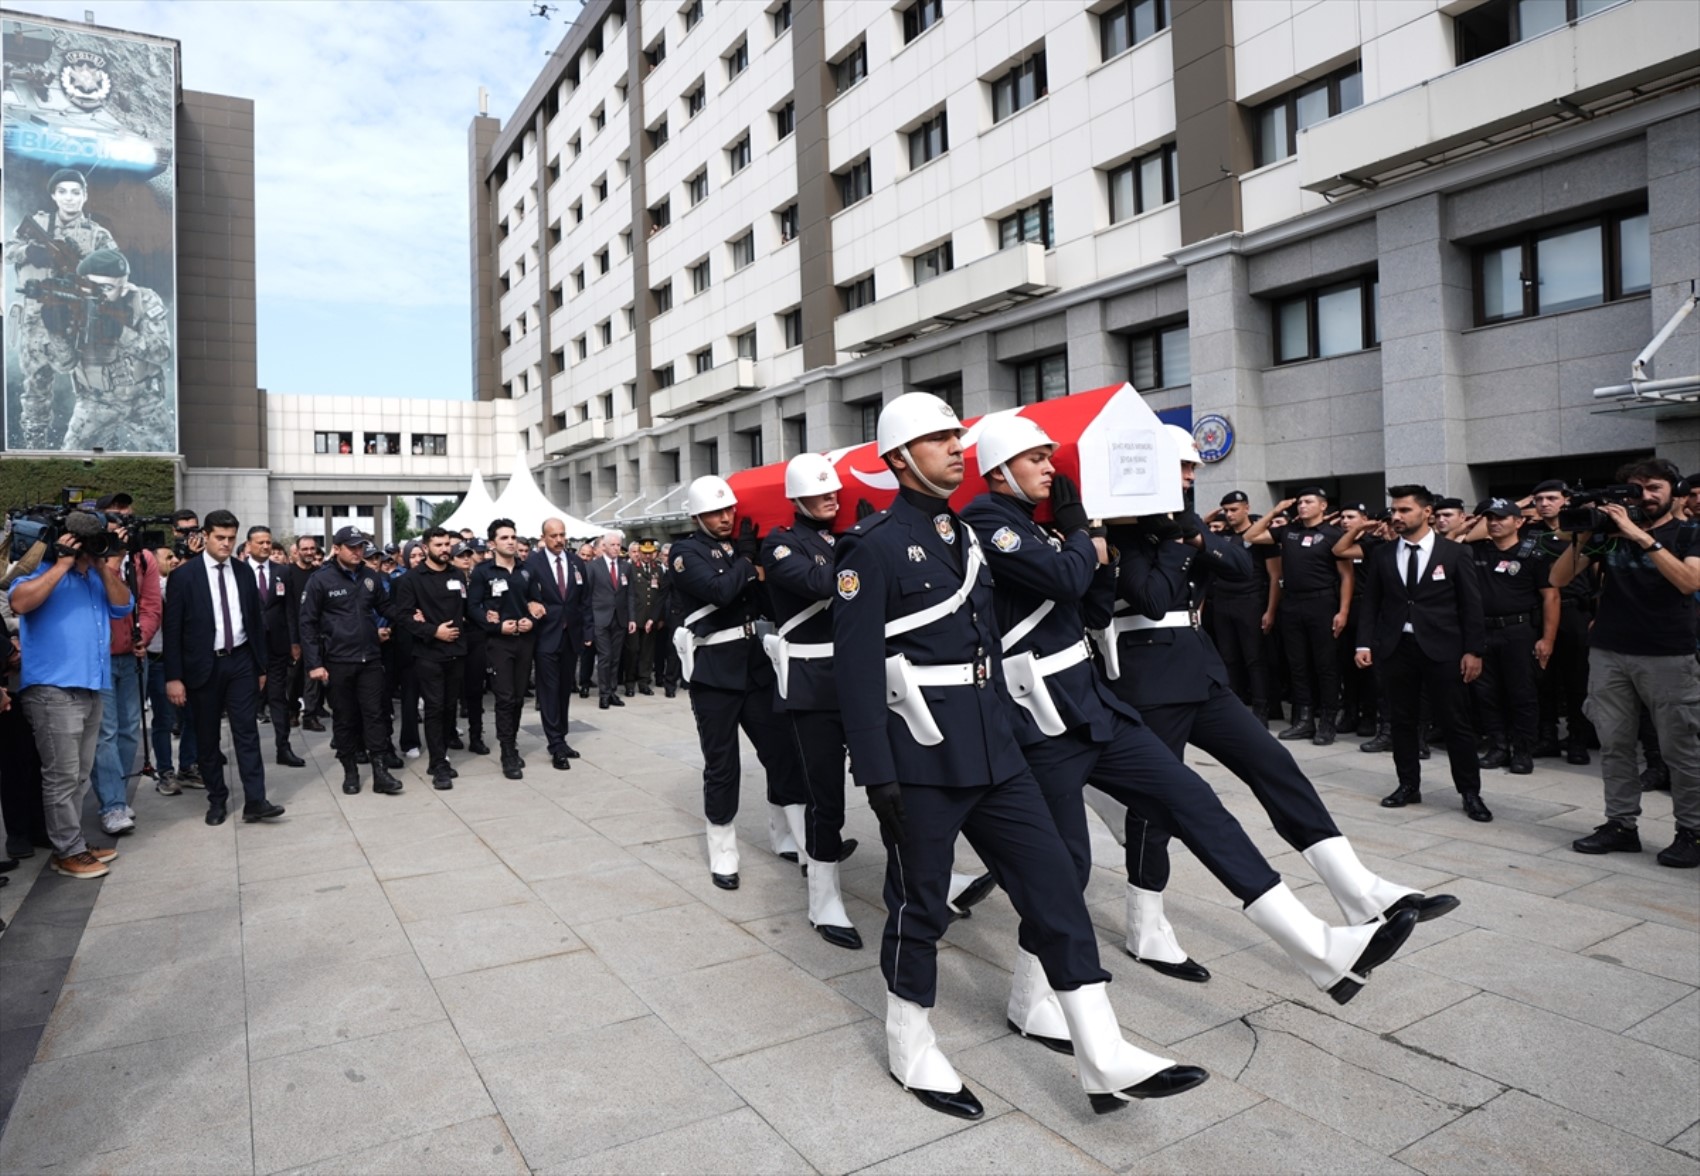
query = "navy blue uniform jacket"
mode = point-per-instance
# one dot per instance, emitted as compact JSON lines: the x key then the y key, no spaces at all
{"x":706,"y":572}
{"x":1163,"y":667}
{"x":799,"y":563}
{"x":339,"y":613}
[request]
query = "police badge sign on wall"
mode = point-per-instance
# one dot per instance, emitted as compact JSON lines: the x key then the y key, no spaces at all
{"x":1214,"y":437}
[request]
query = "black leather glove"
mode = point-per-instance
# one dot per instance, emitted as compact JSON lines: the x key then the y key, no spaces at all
{"x":887,"y":802}
{"x":864,"y":510}
{"x":748,"y":543}
{"x":1068,"y":512}
{"x":1159,"y":528}
{"x":1189,"y":523}
{"x":39,"y":255}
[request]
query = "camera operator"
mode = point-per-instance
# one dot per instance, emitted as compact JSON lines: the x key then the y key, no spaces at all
{"x":121,"y":698}
{"x":66,"y":608}
{"x":186,"y":525}
{"x":1643,"y":655}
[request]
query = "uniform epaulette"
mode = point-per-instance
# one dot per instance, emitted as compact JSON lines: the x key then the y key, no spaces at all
{"x":863,"y":526}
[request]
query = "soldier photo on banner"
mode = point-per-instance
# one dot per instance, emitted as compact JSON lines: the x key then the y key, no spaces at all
{"x":88,"y":198}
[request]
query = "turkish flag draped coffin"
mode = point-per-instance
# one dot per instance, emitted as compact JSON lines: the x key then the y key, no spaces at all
{"x":1109,"y":441}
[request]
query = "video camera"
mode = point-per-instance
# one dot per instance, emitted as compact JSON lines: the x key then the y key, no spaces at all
{"x":1583,"y":513}
{"x":46,"y":522}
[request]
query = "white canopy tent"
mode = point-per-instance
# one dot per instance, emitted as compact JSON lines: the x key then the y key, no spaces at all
{"x":527,"y":506}
{"x":475,"y":510}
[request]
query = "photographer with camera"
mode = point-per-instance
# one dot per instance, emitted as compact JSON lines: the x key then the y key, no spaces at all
{"x":190,"y":539}
{"x":1643,"y":649}
{"x":66,"y":608}
{"x":121,"y":698}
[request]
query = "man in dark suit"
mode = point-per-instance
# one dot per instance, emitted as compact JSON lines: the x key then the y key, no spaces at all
{"x":563,"y":630}
{"x":1423,"y":628}
{"x":611,"y":616}
{"x":272,"y":581}
{"x":215,"y":660}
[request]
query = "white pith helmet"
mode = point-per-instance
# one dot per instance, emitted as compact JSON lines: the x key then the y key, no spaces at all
{"x":1004,"y":438}
{"x":1185,"y":447}
{"x":913,"y":415}
{"x":708,"y":493}
{"x":809,"y":474}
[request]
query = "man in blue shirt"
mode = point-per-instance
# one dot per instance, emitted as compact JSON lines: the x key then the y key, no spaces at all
{"x":65,"y":608}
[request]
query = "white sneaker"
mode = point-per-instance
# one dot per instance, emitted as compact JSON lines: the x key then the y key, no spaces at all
{"x":411,"y":753}
{"x":117,"y":821}
{"x":130,"y":812}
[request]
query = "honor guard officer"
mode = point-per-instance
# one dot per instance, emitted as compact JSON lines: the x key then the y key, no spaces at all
{"x":1243,"y":612}
{"x":798,"y":564}
{"x":1521,"y":610}
{"x":340,"y":648}
{"x":931,"y":726}
{"x":1072,"y":728}
{"x":717,"y":592}
{"x":1316,"y":602}
{"x":1158,"y":660}
{"x":503,"y":599}
{"x":430,"y":606}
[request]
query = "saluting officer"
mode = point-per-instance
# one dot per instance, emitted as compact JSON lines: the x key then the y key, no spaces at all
{"x":1564,"y":681}
{"x":430,"y":606}
{"x":340,"y":648}
{"x":1359,"y":698}
{"x":1521,"y":610}
{"x":1072,"y":728}
{"x":1242,"y":613}
{"x":931,"y":730}
{"x":504,"y":599}
{"x":1316,"y":602}
{"x":717,"y":589}
{"x":798,"y":564}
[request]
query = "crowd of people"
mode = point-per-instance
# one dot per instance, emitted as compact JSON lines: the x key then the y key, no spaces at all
{"x":989,"y":671}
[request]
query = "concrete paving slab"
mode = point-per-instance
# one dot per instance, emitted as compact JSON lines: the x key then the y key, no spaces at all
{"x":1653,"y":947}
{"x":545,"y":823}
{"x":311,"y":894}
{"x":649,"y":827}
{"x":1655,"y":899}
{"x":486,"y":938}
{"x":304,"y":1007}
{"x":288,"y":859}
{"x":362,"y":932}
{"x":1206,"y":929}
{"x":1395,"y":996}
{"x":1268,"y":1138}
{"x":733,"y":1008}
{"x":737,"y":1142}
{"x":1537,"y":874}
{"x":454,"y":892}
{"x":151,"y":943}
{"x":103,"y":1014}
{"x":1502,"y":831}
{"x":1687,"y":1143}
{"x":1606,"y":1076}
{"x":800,"y":943}
{"x":973,"y":998}
{"x":435,"y":855}
{"x":608,"y":891}
{"x":342,"y":1098}
{"x":1378,"y":1053}
{"x":1676,"y":1028}
{"x":1560,"y":923}
{"x":1007,"y":1144}
{"x":30,"y":991}
{"x":667,"y":941}
{"x":477,"y":1147}
{"x":522,"y":1004}
{"x":1518,"y":1133}
{"x":171,"y":894}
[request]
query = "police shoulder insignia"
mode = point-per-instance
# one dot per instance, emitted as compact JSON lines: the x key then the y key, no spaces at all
{"x":781,"y":551}
{"x":829,"y":537}
{"x":917,"y":553}
{"x":678,"y":563}
{"x":942,"y":524}
{"x":1006,"y":540}
{"x":1055,"y":542}
{"x":849,"y":583}
{"x":369,"y":585}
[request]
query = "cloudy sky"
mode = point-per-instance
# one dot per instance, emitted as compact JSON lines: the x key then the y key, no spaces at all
{"x":361,"y":113}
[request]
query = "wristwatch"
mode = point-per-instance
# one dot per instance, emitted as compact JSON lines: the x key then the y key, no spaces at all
{"x":1656,"y":547}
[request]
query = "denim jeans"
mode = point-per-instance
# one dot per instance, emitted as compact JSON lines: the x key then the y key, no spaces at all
{"x":120,"y":733}
{"x":67,"y":727}
{"x":164,"y":716}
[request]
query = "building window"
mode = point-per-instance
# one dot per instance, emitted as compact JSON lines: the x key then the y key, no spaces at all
{"x":692,"y":14}
{"x":1130,"y":22}
{"x":743,"y":251}
{"x":606,"y":403}
{"x":701,"y":279}
{"x":555,"y":234}
{"x":928,"y":141}
{"x":600,"y":187}
{"x":796,"y":435}
{"x":855,"y":182}
{"x":703,"y":360}
{"x":664,"y":376}
{"x":787,"y":217}
{"x":752,"y":449}
{"x":1160,"y":358}
{"x":1329,"y":320}
{"x":655,"y":54}
{"x":581,"y":347}
{"x":936,"y":261}
{"x":1033,"y":223}
{"x":746,"y":344}
{"x":333,"y":442}
{"x":1044,"y":378}
{"x":660,"y":216}
{"x":577,"y":144}
{"x":1020,"y":88}
{"x":697,"y":186}
{"x":557,"y":361}
{"x":663,"y":296}
{"x":658,"y":135}
{"x":695,"y":101}
{"x":430,"y":445}
{"x":949,"y":391}
{"x":630,"y":313}
{"x":738,"y":60}
{"x":781,"y":17}
{"x":710,"y":456}
{"x":1279,"y":122}
{"x":578,"y":212}
{"x":555,"y":170}
{"x":920,"y":17}
{"x":785,"y":121}
{"x":738,"y":155}
{"x":557,"y":298}
{"x":383,"y":444}
{"x":1583,"y":263}
{"x":603,"y":261}
{"x":1502,"y":23}
{"x":856,"y":294}
{"x":851,"y":68}
{"x":578,"y":280}
{"x":868,"y":414}
{"x":605,"y":332}
{"x":792,"y":322}
{"x":1143,"y":184}
{"x":598,"y":119}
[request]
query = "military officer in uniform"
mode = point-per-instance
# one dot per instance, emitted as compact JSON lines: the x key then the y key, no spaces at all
{"x":646,"y":615}
{"x":798,"y":564}
{"x":504,"y":599}
{"x":1450,"y":521}
{"x":930,"y":726}
{"x":1072,"y":729}
{"x":717,"y":590}
{"x":1243,"y":612}
{"x":1316,"y":603}
{"x":121,"y":395}
{"x":1521,"y":610}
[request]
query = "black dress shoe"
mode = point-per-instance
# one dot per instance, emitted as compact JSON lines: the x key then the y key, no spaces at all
{"x":790,"y":856}
{"x":1382,"y":947}
{"x":971,"y":894}
{"x":215,"y":814}
{"x":1522,"y":764}
{"x":453,"y":743}
{"x":561,"y":763}
{"x":961,"y":1103}
{"x":383,"y":782}
{"x":1427,"y":906}
{"x":263,"y":811}
{"x":671,"y":691}
{"x":1474,"y":808}
{"x":7,"y":865}
{"x":1546,"y":746}
{"x":616,"y":700}
{"x":1163,"y":1084}
{"x":726,"y":881}
{"x":846,"y":937}
{"x":584,"y":692}
{"x":312,"y":723}
{"x":477,"y":746}
{"x":645,"y":690}
{"x":1496,"y":757}
{"x":441,"y":780}
{"x":602,"y":703}
{"x":631,"y":691}
{"x":569,"y":751}
{"x":392,"y":761}
{"x":1611,"y":837}
{"x":846,"y":848}
{"x":1576,"y":753}
{"x":1055,"y":1044}
{"x":1402,"y":796}
{"x":1188,"y":969}
{"x":287,"y":757}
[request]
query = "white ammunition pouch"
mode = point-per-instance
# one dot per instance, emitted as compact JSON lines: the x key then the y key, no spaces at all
{"x":1106,"y":638}
{"x":904,"y":679}
{"x":780,"y":651}
{"x":686,"y":643}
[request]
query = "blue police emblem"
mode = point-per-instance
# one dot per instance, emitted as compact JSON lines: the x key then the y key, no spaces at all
{"x":1214,"y":437}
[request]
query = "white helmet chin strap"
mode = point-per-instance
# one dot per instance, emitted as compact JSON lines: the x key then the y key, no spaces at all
{"x":934,"y":490}
{"x":1014,"y":486}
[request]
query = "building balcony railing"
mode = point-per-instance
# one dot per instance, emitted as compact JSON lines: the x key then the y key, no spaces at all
{"x":980,"y":287}
{"x":722,"y":382}
{"x":576,"y":436}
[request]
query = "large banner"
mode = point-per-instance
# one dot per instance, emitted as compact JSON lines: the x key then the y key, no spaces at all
{"x":89,"y":207}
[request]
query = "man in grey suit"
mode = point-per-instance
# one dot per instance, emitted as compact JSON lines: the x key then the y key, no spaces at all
{"x":610,"y":615}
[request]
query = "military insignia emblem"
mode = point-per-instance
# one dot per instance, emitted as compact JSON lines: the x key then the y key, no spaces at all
{"x":829,"y":537}
{"x":1054,"y":542}
{"x":369,"y":585}
{"x":678,"y":563}
{"x":849,"y":583}
{"x":917,"y":553}
{"x":1006,"y":540}
{"x":942,"y":524}
{"x":781,"y":551}
{"x":820,"y":561}
{"x":85,"y":80}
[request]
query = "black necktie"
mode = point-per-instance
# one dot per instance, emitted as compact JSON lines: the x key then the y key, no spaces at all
{"x":1411,"y":569}
{"x":224,"y":608}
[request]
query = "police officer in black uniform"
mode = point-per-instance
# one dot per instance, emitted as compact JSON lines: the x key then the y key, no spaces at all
{"x":931,"y":732}
{"x":797,"y":563}
{"x":717,"y":588}
{"x":666,"y":654}
{"x":504,"y":600}
{"x":1360,"y":703}
{"x":465,"y":557}
{"x":1521,"y":610}
{"x":340,"y":648}
{"x":430,"y":608}
{"x":1316,"y":603}
{"x":1242,"y":613}
{"x":1072,"y":728}
{"x":1563,"y":683}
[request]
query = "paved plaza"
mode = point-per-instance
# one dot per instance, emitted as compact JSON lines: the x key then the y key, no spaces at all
{"x":539,"y":976}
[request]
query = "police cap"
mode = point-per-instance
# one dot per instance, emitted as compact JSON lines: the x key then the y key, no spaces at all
{"x":1498,"y":508}
{"x":1234,"y":496}
{"x":1549,"y":485}
{"x":1312,"y":492}
{"x":1361,"y":507}
{"x":1448,"y":504}
{"x":349,"y":537}
{"x":460,"y":549}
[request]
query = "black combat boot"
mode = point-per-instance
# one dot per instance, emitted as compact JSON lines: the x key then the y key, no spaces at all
{"x":350,"y":775}
{"x":1304,"y":727}
{"x":1496,"y":756}
{"x":1383,"y":741}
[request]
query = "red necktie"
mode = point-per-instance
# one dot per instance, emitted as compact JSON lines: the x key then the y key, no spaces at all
{"x":613,"y":574}
{"x":561,"y":577}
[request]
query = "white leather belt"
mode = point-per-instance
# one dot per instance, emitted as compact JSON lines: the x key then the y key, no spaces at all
{"x":808,"y":652}
{"x":722,"y":637}
{"x":1179,"y":619}
{"x":958,"y":675}
{"x":1061,"y":660}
